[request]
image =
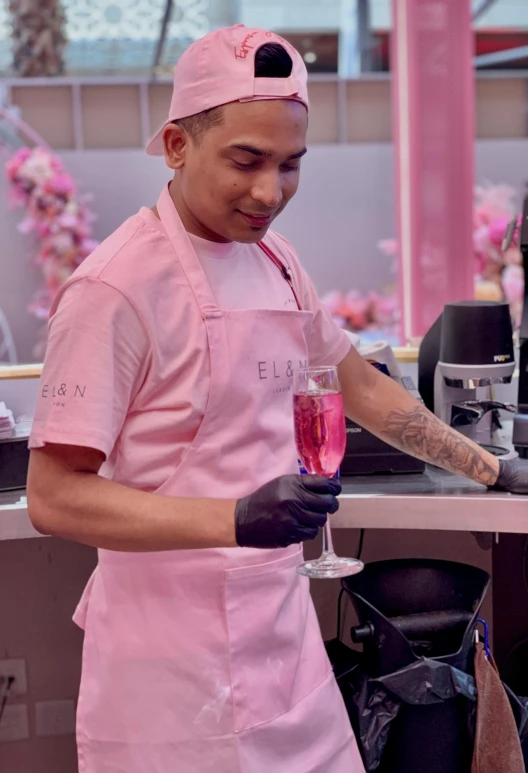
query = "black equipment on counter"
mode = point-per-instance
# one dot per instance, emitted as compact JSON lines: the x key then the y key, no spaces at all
{"x":467,"y":351}
{"x":14,"y":461}
{"x":366,"y":454}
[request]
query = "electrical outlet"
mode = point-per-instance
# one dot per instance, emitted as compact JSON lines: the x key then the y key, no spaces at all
{"x":17,"y":668}
{"x":55,"y":718}
{"x":14,"y":725}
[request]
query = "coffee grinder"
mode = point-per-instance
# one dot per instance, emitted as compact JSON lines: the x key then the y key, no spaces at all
{"x":466,"y":353}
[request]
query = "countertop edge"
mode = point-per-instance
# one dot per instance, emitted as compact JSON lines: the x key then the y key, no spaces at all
{"x":433,"y":512}
{"x":15,"y":523}
{"x":427,"y":512}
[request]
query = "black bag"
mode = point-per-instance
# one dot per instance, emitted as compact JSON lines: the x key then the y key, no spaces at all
{"x":401,"y":702}
{"x":411,"y":694}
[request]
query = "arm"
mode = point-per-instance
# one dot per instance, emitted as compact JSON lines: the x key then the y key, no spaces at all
{"x":67,"y":498}
{"x":98,"y":341}
{"x":384,"y":408}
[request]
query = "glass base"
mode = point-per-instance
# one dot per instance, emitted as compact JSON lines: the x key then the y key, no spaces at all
{"x":329,"y":566}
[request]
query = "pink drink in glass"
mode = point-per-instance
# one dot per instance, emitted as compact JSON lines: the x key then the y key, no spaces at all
{"x":320,"y":433}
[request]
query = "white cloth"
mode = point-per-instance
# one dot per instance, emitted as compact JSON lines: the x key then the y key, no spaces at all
{"x":7,"y":422}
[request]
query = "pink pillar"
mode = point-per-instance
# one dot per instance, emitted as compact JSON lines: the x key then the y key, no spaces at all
{"x":433,"y":118}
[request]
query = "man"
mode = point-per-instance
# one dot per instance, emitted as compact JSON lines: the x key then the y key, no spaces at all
{"x":169,"y":370}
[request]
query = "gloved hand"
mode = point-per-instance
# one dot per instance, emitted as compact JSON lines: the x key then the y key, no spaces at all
{"x":513,"y":476}
{"x":286,"y":510}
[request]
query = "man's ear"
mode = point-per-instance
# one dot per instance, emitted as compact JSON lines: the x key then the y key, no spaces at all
{"x":175,"y":142}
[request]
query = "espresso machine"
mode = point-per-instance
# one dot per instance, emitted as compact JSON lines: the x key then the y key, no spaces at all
{"x":466,"y":353}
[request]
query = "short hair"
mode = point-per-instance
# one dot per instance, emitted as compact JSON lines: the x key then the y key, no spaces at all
{"x":271,"y":61}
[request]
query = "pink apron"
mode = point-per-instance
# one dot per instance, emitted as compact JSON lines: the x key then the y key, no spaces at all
{"x":211,"y":661}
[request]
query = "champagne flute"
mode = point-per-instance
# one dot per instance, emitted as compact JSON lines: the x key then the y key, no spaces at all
{"x":320,"y":436}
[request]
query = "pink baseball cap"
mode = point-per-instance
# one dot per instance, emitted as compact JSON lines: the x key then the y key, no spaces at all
{"x":220,"y":68}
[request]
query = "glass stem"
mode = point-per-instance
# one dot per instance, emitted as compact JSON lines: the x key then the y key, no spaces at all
{"x":328,"y":545}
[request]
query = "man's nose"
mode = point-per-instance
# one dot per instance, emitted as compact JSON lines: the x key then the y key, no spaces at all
{"x":267,"y":189}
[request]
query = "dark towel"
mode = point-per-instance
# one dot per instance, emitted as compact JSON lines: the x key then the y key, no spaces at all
{"x":497,"y":745}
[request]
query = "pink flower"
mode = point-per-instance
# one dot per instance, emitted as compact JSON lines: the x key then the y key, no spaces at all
{"x":13,"y":165}
{"x":333,"y":301}
{"x":53,"y":211}
{"x":481,"y":239}
{"x":494,"y":201}
{"x":41,"y":303}
{"x":357,"y":320}
{"x":60,"y":185}
{"x":43,"y":230}
{"x":512,"y":256}
{"x":61,"y":242}
{"x":356,"y":310}
{"x":497,"y":230}
{"x":385,"y":310}
{"x":355,"y":301}
{"x":16,"y":197}
{"x":22,"y":155}
{"x":27,"y":225}
{"x":88,"y":246}
{"x":68,"y":221}
{"x":513,"y":283}
{"x":480,"y":217}
{"x":389,"y":247}
{"x":37,"y":166}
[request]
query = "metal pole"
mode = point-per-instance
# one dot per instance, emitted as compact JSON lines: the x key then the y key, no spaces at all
{"x":355,"y":39}
{"x":163,"y":35}
{"x":365,"y":40}
{"x":484,"y":6}
{"x":349,"y":58}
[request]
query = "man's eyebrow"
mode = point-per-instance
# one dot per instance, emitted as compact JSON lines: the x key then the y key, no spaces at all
{"x":250,"y":149}
{"x":300,"y":154}
{"x":261,"y":153}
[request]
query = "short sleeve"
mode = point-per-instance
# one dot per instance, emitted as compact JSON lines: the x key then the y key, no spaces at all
{"x":96,"y":359}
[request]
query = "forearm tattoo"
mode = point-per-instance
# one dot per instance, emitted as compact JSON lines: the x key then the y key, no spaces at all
{"x":422,"y":434}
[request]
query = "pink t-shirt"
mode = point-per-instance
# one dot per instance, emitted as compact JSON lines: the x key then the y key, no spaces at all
{"x":241,"y":276}
{"x":117,"y":374}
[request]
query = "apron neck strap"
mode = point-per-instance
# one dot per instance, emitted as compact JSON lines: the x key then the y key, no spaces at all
{"x":283,"y":269}
{"x":185,"y":252}
{"x":188,"y":258}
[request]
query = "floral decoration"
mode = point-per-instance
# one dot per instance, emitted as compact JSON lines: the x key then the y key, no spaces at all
{"x":499,"y":273}
{"x":55,"y":213}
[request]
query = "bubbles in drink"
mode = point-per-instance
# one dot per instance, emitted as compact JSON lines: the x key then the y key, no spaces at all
{"x":320,"y":432}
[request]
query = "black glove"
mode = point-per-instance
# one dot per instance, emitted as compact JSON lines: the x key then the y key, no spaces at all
{"x":513,"y":476}
{"x":286,"y":510}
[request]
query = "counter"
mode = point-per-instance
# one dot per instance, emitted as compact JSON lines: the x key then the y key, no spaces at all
{"x":433,"y":500}
{"x":14,"y":518}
